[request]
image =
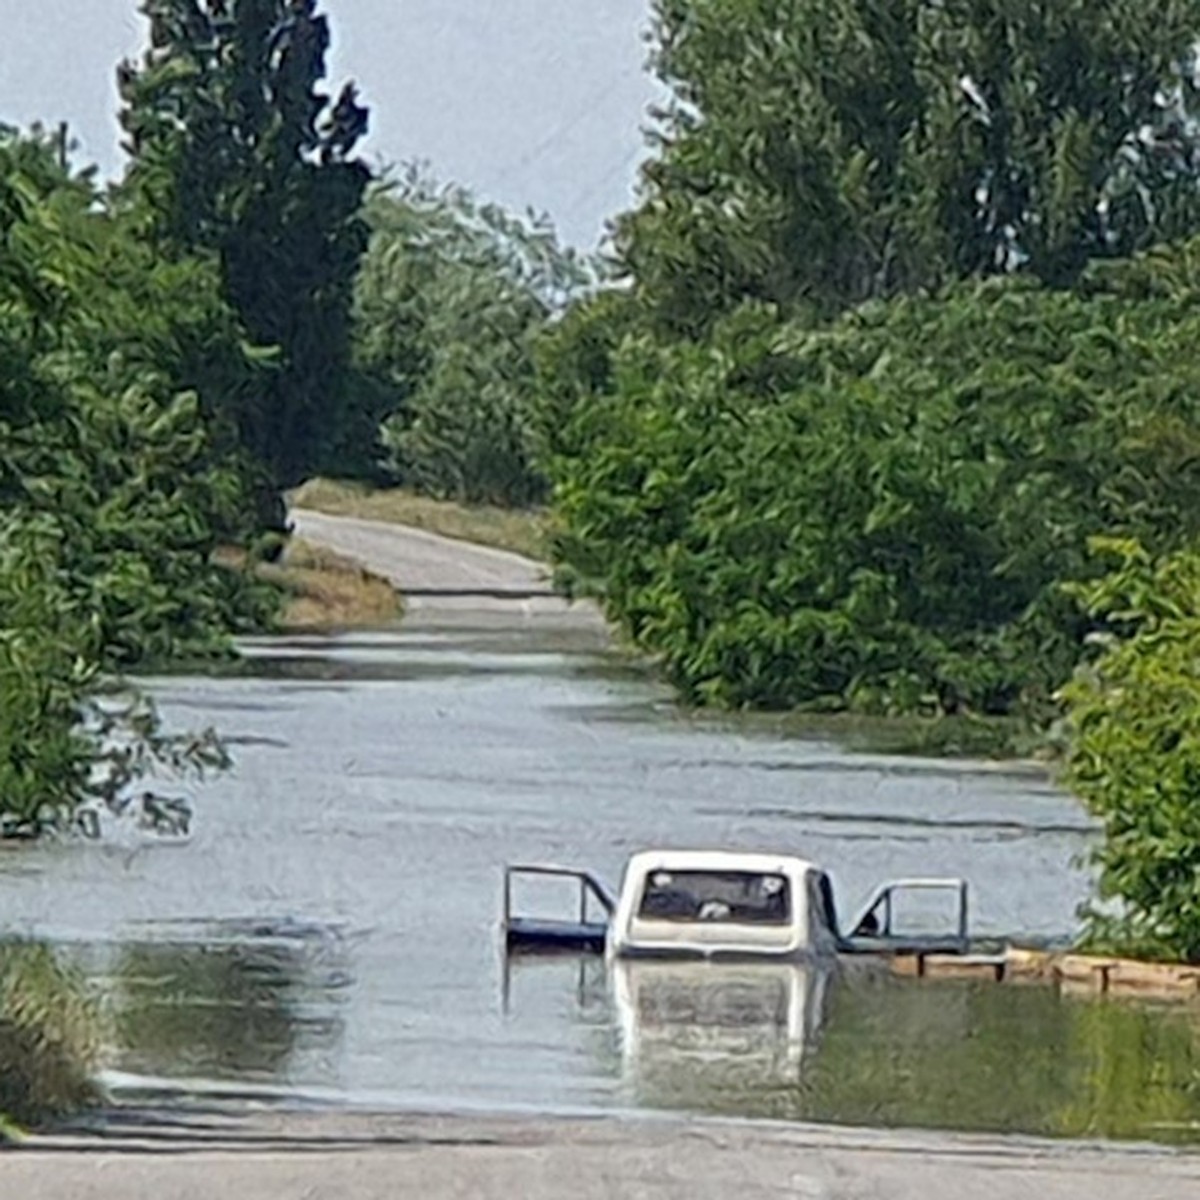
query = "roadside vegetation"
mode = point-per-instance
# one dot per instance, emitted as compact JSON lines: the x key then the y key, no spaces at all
{"x":50,"y":1038}
{"x":1135,"y":751}
{"x":327,"y":591}
{"x":874,"y":384}
{"x":171,"y":364}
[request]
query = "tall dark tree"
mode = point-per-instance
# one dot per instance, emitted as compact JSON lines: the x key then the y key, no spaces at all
{"x":237,"y":151}
{"x":822,"y":152}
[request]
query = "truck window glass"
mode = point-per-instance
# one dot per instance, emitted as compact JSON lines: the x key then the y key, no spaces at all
{"x":740,"y":897}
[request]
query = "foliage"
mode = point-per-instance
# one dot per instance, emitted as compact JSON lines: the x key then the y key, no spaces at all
{"x":879,"y":514}
{"x":108,"y":507}
{"x":100,"y":440}
{"x":68,"y":733}
{"x":236,"y":152}
{"x":574,"y":361}
{"x":450,"y":297}
{"x":49,"y":1036}
{"x":817,"y":153}
{"x":1135,"y":755}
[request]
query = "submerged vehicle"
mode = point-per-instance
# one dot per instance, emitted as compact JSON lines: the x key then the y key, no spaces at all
{"x":714,"y":905}
{"x":718,"y":965}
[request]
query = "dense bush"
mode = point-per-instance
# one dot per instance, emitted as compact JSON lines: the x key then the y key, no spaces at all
{"x":880,"y":513}
{"x":802,"y":458}
{"x":1135,"y":754}
{"x":110,"y":501}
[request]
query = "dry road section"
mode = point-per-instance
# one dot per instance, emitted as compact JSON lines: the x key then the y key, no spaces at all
{"x":309,"y":1157}
{"x":449,"y":582}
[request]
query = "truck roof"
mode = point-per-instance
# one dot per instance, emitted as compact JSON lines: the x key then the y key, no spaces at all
{"x":718,"y":860}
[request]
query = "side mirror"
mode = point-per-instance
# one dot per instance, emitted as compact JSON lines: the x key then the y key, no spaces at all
{"x":868,"y":925}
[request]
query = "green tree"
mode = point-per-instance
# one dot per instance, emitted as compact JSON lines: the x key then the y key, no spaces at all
{"x":879,"y":514}
{"x":103,"y":434}
{"x":816,"y":153}
{"x":451,"y":297}
{"x":237,"y":152}
{"x":107,"y":514}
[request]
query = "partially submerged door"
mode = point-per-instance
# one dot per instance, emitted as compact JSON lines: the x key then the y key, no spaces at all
{"x":583,"y":928}
{"x":913,"y":916}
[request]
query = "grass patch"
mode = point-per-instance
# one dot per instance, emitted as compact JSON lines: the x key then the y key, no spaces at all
{"x":50,"y":1037}
{"x":521,"y":531}
{"x":325,"y":590}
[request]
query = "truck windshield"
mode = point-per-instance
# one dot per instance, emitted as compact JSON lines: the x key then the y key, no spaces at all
{"x":745,"y":897}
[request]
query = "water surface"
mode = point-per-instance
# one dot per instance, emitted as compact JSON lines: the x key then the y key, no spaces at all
{"x":329,"y":931}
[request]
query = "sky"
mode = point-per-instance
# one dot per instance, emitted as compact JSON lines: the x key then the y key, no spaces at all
{"x":532,"y":103}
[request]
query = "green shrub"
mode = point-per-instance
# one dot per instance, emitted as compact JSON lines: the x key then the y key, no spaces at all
{"x":50,"y":1037}
{"x":879,"y":514}
{"x":110,"y":501}
{"x":1135,"y":755}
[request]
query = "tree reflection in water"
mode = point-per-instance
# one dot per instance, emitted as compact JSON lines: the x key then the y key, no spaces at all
{"x":253,"y":1004}
{"x":858,"y":1047}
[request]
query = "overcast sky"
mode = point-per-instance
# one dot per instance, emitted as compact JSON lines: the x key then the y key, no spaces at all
{"x":530,"y":102}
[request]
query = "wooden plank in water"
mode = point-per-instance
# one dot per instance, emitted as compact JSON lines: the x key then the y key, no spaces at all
{"x":908,"y":966}
{"x":1073,"y":974}
{"x":1090,"y":974}
{"x":1083,"y":973}
{"x":1153,"y":979}
{"x":949,"y":966}
{"x":963,"y":966}
{"x":1028,"y":966}
{"x":1079,"y":975}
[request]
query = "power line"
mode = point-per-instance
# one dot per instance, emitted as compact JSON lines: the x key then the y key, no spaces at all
{"x":560,"y":131}
{"x":596,"y":188}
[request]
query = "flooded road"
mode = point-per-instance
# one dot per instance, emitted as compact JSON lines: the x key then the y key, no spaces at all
{"x":329,"y":931}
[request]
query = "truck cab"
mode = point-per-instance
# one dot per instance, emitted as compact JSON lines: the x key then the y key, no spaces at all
{"x":722,"y":904}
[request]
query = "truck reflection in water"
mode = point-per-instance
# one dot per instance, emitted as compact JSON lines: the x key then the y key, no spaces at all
{"x":754,"y":1020}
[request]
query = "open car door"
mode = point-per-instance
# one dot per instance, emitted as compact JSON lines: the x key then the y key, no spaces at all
{"x":898,"y":919}
{"x":586,"y":929}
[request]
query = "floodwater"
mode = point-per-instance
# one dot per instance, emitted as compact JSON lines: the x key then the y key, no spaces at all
{"x":328,"y":933}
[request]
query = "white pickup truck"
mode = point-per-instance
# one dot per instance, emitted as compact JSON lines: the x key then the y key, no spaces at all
{"x":703,"y":904}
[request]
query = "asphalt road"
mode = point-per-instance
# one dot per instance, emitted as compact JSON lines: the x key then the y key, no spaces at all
{"x":445,"y":1158}
{"x":449,"y":582}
